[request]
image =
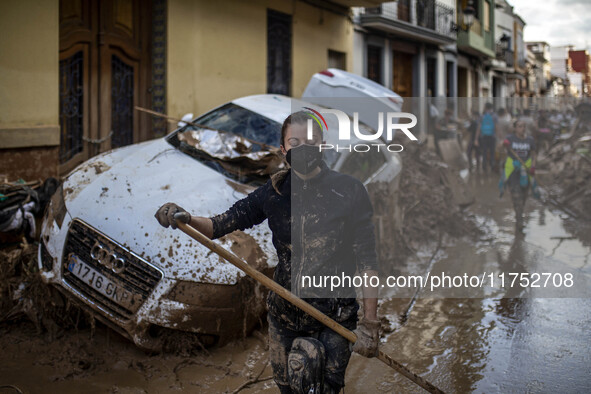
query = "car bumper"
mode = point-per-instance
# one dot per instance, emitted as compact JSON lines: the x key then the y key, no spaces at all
{"x":222,"y":312}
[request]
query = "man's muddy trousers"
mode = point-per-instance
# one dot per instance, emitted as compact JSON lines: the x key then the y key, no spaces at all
{"x":336,"y":348}
{"x":487,"y":150}
{"x":518,"y":196}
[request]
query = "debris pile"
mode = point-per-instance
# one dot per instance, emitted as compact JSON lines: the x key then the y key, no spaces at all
{"x":20,"y":202}
{"x":24,"y":295}
{"x":428,"y":209}
{"x":569,"y":165}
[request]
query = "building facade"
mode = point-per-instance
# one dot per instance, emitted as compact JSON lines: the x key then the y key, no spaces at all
{"x":476,"y":49}
{"x":581,"y":63}
{"x":409,"y":47}
{"x":541,"y":52}
{"x":73,"y":71}
{"x":560,"y":61}
{"x":502,"y":65}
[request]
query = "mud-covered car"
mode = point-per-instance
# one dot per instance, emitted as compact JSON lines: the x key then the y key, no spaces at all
{"x":102,"y":247}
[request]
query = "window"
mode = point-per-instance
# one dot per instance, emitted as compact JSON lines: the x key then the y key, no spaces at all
{"x":122,"y":79}
{"x":404,"y":10}
{"x":278,"y":52}
{"x":337,"y":59}
{"x":71,"y":105}
{"x":374,"y":63}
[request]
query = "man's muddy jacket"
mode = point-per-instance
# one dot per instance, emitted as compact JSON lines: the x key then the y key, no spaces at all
{"x":321,"y":227}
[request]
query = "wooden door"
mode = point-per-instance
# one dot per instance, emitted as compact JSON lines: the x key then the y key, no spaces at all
{"x":104,"y":73}
{"x":402,"y":73}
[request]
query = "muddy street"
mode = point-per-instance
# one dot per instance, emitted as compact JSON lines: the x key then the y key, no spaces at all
{"x":489,"y":344}
{"x":460,"y":341}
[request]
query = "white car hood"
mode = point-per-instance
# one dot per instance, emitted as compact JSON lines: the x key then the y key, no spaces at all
{"x":119,"y":192}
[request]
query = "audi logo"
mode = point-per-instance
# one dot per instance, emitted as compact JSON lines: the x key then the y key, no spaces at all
{"x":107,"y":258}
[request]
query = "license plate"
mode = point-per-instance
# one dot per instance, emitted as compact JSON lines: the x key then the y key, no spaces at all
{"x":105,"y":286}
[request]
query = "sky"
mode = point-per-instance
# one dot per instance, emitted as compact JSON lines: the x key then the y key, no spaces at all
{"x":558,"y":22}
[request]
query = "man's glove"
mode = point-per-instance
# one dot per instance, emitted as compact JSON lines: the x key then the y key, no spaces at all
{"x":170,"y":213}
{"x":368,"y":337}
{"x":506,"y":143}
{"x":532,"y":170}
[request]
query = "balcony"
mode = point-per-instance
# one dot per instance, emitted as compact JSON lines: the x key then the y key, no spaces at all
{"x":475,"y":41}
{"x":507,"y":56}
{"x":421,"y":20}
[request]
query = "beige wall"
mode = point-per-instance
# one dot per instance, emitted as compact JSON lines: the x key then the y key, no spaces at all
{"x":29,"y":88}
{"x":29,"y":48}
{"x":217,"y":50}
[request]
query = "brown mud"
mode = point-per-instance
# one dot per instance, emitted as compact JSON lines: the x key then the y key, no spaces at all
{"x":105,"y":362}
{"x":23,"y":294}
{"x":426,"y":204}
{"x":481,"y":344}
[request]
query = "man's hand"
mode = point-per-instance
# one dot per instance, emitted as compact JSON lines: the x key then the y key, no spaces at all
{"x":368,"y":337}
{"x":170,"y":213}
{"x":532,"y":170}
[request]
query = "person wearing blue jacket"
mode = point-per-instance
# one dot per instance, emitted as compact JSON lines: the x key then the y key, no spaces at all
{"x":486,"y":137}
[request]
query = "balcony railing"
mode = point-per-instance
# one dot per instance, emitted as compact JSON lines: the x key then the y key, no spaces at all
{"x":428,"y":14}
{"x":444,"y":17}
{"x":508,"y":56}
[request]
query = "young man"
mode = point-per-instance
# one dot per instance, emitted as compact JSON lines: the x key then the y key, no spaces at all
{"x":486,"y":136}
{"x":335,"y":211}
{"x":519,"y":167}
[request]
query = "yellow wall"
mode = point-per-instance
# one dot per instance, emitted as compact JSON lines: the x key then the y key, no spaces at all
{"x":29,"y":47}
{"x":217,"y":50}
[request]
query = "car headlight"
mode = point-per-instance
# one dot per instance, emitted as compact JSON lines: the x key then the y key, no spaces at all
{"x":58,"y":206}
{"x":46,"y":258}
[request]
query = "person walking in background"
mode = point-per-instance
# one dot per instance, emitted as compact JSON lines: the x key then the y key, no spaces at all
{"x":504,"y":128}
{"x":543,"y":134}
{"x":519,"y":169}
{"x":473,"y":148}
{"x":486,"y":137}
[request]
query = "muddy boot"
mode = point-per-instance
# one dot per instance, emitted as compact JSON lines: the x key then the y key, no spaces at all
{"x":305,"y":366}
{"x":518,"y":203}
{"x":328,"y":389}
{"x":519,"y":224}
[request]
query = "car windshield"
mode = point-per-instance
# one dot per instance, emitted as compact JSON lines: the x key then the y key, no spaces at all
{"x":241,"y":144}
{"x":242,"y":122}
{"x":234,"y":141}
